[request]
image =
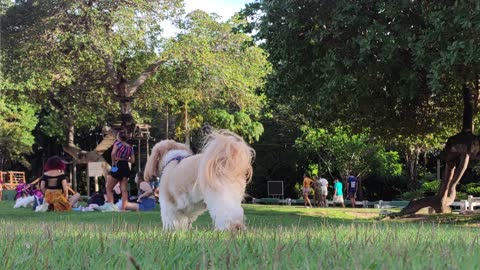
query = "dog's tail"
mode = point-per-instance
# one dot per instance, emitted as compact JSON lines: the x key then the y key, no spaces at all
{"x":154,"y":167}
{"x":226,"y":162}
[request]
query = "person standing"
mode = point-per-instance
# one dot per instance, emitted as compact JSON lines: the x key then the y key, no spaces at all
{"x":307,"y":183}
{"x":323,"y":191}
{"x":352,"y":187}
{"x":316,"y":192}
{"x":122,"y":155}
{"x":338,"y":193}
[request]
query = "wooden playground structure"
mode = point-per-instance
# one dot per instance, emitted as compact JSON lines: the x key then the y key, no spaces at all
{"x":12,"y":179}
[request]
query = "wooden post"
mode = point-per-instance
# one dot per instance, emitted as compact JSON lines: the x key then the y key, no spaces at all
{"x":74,"y":175}
{"x":470,"y":202}
{"x":166,"y":124}
{"x":95,"y":179}
{"x":148,"y":147}
{"x":365,"y":204}
{"x":88,"y":186}
{"x":139,"y":161}
{"x":438,"y":170}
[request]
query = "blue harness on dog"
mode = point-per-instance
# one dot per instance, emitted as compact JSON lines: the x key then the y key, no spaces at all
{"x":177,"y":158}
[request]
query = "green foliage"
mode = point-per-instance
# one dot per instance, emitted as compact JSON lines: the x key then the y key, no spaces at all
{"x":59,"y":63}
{"x":428,"y":188}
{"x":213,"y":73}
{"x":239,"y":122}
{"x":342,"y":152}
{"x":472,"y":189}
{"x":17,"y":121}
{"x":312,"y":170}
{"x":431,"y":186}
{"x":414,"y":194}
{"x":394,"y":68}
{"x":389,"y":66}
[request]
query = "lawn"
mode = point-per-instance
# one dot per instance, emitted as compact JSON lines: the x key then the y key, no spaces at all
{"x":278,"y":237}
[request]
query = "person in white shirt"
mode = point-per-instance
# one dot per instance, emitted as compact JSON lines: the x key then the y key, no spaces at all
{"x":323,"y":191}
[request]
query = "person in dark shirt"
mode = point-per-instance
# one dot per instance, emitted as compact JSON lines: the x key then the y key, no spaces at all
{"x":54,"y":185}
{"x":352,"y":188}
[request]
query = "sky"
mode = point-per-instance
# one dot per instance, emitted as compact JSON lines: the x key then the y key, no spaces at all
{"x":224,"y":8}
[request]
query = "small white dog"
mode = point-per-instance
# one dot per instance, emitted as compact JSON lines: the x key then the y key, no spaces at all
{"x":215,"y":179}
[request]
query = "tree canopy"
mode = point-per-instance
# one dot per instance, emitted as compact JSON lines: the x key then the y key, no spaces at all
{"x":394,"y":67}
{"x":341,"y":153}
{"x":86,"y":62}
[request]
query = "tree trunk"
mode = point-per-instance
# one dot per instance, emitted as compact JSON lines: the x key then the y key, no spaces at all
{"x":70,"y":143}
{"x":70,"y":133}
{"x":187,"y":130}
{"x":126,"y":114}
{"x":359,"y":189}
{"x":74,"y":175}
{"x":412,"y":158}
{"x":459,"y":149}
{"x":166,"y":123}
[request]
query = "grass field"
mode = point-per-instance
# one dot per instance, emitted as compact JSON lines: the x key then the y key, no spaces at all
{"x":278,"y":237}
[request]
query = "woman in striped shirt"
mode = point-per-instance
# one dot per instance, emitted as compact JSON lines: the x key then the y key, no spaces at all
{"x":122,"y":154}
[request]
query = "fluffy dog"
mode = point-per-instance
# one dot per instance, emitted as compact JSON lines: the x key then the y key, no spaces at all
{"x":215,"y":179}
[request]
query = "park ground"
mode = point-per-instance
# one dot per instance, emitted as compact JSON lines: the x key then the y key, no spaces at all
{"x":278,"y":237}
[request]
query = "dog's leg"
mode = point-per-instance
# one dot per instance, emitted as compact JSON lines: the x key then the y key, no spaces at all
{"x":174,"y":219}
{"x":196,"y":210}
{"x":225,"y":210}
{"x":167,"y":214}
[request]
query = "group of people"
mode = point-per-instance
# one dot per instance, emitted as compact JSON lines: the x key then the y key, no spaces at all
{"x":54,"y":183}
{"x":320,"y":188}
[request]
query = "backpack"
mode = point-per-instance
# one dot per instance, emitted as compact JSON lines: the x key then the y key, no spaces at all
{"x":96,"y":198}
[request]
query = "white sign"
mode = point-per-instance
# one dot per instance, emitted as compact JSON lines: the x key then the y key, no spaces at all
{"x":95,"y":169}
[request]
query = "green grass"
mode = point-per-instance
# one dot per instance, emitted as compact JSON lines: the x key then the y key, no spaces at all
{"x":278,"y":237}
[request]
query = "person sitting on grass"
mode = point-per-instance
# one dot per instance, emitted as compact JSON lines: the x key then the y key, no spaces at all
{"x":307,"y":182}
{"x":54,"y":185}
{"x":146,"y":197}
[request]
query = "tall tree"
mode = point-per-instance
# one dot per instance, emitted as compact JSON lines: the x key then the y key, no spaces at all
{"x":16,"y":124}
{"x":399,"y":68}
{"x":339,"y":152}
{"x":83,"y":56}
{"x":217,"y":77}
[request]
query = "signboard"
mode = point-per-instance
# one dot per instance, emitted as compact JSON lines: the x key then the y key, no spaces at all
{"x":95,"y":169}
{"x":275,"y":188}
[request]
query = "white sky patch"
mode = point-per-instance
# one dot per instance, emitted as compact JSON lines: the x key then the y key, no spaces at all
{"x":224,"y":8}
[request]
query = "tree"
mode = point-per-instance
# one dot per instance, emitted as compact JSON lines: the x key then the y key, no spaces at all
{"x":340,"y":152}
{"x":391,"y":67}
{"x":17,"y":122}
{"x":83,"y":56}
{"x":216,"y":76}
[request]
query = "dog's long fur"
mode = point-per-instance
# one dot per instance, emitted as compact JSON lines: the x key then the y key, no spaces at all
{"x":215,"y":179}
